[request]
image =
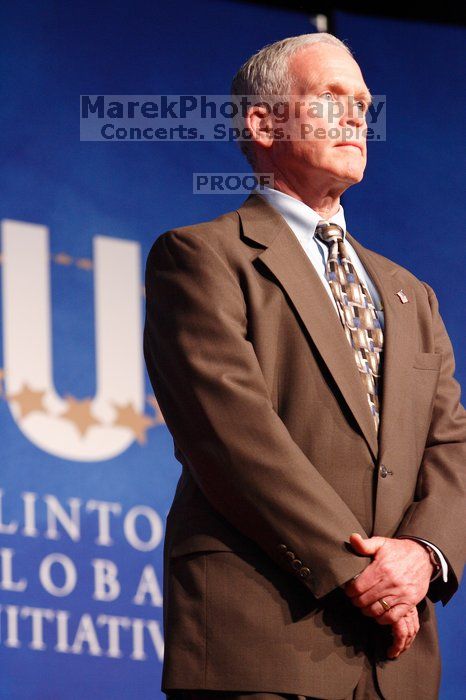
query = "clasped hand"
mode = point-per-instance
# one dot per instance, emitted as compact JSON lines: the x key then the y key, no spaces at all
{"x":399,"y":574}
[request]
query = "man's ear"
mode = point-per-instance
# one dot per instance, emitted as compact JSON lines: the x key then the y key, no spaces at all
{"x":259,"y":122}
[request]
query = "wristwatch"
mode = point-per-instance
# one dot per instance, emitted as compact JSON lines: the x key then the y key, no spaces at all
{"x":435,"y":561}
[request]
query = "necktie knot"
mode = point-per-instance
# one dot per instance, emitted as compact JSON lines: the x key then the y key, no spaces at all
{"x":328,"y":232}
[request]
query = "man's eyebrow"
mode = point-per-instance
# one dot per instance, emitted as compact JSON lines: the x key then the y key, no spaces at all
{"x":338,"y":87}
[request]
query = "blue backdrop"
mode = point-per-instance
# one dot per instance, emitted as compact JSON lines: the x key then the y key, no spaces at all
{"x":87,"y":471}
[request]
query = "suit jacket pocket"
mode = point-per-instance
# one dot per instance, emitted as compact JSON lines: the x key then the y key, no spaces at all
{"x":201,"y":534}
{"x":427,"y":360}
{"x":205,"y":543}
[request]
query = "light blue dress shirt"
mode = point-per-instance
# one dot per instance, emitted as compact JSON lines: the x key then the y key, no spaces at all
{"x":303,"y":221}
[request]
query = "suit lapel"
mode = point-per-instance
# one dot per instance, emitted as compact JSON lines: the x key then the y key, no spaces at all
{"x":285,"y":258}
{"x":288,"y":262}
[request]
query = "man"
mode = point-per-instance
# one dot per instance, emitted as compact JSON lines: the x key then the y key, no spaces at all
{"x":308,"y":385}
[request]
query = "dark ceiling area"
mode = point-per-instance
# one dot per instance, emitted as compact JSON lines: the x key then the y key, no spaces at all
{"x":443,"y":12}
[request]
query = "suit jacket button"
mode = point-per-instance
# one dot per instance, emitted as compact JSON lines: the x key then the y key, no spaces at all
{"x":304,"y":572}
{"x":383,"y":471}
{"x":296,"y":564}
{"x":290,"y":555}
{"x":282,"y":548}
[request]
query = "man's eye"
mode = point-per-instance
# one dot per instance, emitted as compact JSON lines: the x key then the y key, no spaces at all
{"x":327,"y":95}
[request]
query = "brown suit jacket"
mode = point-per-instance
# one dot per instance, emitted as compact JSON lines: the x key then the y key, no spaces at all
{"x":281,"y":462}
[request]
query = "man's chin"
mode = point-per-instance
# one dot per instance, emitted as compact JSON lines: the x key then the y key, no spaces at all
{"x":350,"y":169}
{"x":348,"y":177}
{"x":356,"y":178}
{"x":350,"y":174}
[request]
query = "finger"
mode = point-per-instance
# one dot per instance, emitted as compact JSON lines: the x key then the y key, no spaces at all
{"x":411,"y":633}
{"x":379,"y":590}
{"x":417,"y":624}
{"x":396,"y":613}
{"x":370,"y":545}
{"x":405,"y":631}
{"x":366,"y":579}
{"x":413,"y":622}
{"x":400,"y":642}
{"x":406,"y":620}
{"x":403,"y":637}
{"x":399,"y":636}
{"x":378,"y":610}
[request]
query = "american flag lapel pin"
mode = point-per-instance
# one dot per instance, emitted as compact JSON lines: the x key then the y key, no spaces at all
{"x":402,"y":296}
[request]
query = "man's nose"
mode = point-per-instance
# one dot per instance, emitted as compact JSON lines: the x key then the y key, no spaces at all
{"x":351,"y":113}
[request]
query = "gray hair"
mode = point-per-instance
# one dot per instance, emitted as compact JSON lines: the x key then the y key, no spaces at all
{"x":267,"y":73}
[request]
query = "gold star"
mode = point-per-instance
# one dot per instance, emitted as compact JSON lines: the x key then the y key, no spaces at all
{"x":138,"y":422}
{"x":159,"y":419}
{"x":28,"y":400}
{"x":79,"y":413}
{"x":63,"y":259}
{"x":84,"y":263}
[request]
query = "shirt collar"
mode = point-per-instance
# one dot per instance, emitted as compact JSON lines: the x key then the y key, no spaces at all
{"x":299,"y":216}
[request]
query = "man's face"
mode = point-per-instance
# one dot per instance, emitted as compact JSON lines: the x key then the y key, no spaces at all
{"x":329,"y":78}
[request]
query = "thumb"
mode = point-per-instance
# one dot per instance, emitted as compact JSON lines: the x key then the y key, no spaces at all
{"x":371,"y":545}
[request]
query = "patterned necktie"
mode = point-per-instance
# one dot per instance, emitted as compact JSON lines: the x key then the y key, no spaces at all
{"x":357,"y":312}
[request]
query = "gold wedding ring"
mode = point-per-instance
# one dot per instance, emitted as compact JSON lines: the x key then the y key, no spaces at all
{"x":384,"y":604}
